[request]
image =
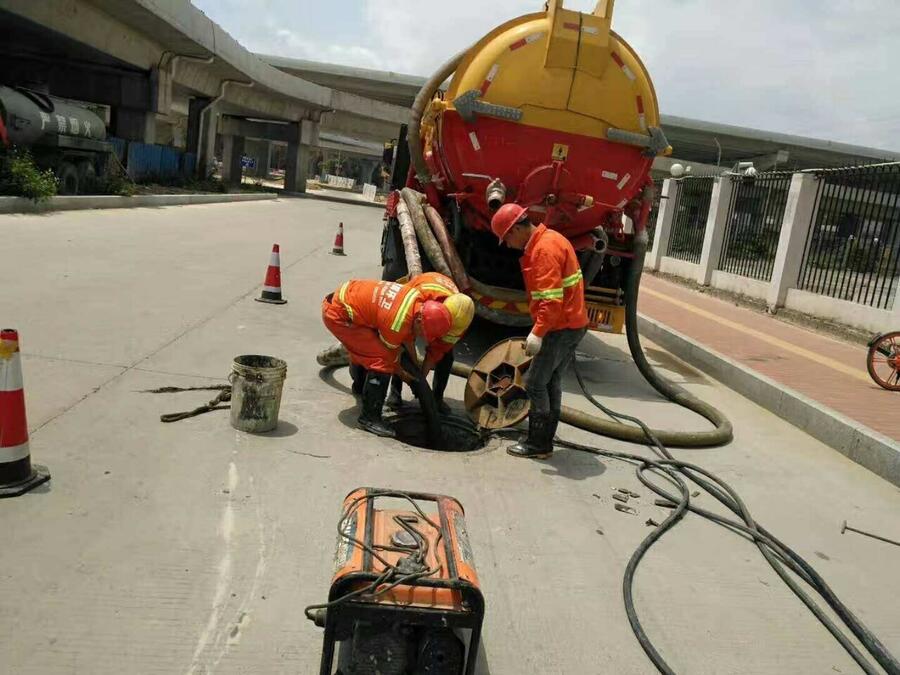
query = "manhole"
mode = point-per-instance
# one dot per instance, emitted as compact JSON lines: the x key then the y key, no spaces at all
{"x":458,"y":433}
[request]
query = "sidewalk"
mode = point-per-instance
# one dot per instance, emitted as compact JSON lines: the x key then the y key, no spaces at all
{"x":830,"y":372}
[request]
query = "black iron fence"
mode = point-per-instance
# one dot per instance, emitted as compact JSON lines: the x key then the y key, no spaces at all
{"x":654,"y":212}
{"x":853,"y":249}
{"x":753,"y":224}
{"x":689,"y":224}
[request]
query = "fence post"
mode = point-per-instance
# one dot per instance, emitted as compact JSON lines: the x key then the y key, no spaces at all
{"x":798,"y":216}
{"x":665,"y":216}
{"x":716,"y":221}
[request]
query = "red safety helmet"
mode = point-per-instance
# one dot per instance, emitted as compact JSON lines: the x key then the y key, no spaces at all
{"x":507,"y":216}
{"x":436,"y":320}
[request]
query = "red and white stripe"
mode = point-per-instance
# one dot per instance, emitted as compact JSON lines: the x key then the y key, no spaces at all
{"x":571,"y":26}
{"x":489,"y":78}
{"x":475,"y":144}
{"x":273,"y":272}
{"x":527,"y":40}
{"x":13,"y":422}
{"x":622,"y":183}
{"x":610,"y":175}
{"x":625,"y":69}
{"x":642,"y":118}
{"x":275,"y":256}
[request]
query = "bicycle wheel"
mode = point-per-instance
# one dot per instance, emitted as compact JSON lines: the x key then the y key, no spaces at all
{"x":883,"y":360}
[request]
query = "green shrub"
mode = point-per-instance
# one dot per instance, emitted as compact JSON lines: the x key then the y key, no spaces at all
{"x":21,"y":177}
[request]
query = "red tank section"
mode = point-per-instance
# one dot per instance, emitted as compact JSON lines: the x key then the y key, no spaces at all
{"x":559,"y":175}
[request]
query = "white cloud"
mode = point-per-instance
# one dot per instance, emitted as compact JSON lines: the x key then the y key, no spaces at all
{"x":823,"y":68}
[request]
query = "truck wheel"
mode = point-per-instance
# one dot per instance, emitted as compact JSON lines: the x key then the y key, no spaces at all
{"x":87,"y":175}
{"x":68,"y":178}
{"x":392,"y":257}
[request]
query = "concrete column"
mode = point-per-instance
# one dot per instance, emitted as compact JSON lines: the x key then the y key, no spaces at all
{"x":298,"y":155}
{"x":206,"y":151}
{"x":798,"y":216}
{"x":665,"y":216}
{"x":232,"y":151}
{"x":714,"y":235}
{"x":195,"y":107}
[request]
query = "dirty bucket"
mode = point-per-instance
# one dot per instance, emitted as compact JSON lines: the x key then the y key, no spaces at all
{"x":256,"y":383}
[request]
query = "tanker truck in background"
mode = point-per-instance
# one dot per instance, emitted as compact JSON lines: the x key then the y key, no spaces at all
{"x":67,"y":138}
{"x":553,"y":111}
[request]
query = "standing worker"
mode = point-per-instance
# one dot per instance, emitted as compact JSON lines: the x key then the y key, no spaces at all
{"x":374,"y":320}
{"x":440,"y":288}
{"x":556,"y":301}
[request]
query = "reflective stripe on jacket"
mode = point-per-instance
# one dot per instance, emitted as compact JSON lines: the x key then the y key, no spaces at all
{"x":554,"y":283}
{"x":386,"y":307}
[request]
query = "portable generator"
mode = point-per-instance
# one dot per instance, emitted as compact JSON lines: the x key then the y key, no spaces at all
{"x":405,"y":598}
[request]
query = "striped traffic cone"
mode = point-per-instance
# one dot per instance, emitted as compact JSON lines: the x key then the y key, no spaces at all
{"x":17,"y":475}
{"x":338,"y":248}
{"x":271,"y":292}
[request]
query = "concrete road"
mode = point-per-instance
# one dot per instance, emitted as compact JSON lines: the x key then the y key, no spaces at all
{"x":192,"y":548}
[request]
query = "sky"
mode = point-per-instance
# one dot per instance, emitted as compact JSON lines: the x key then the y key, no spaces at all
{"x":823,"y":68}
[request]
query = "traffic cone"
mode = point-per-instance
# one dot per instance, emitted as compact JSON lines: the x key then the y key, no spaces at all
{"x":271,"y":292}
{"x":339,"y":241}
{"x":17,"y":475}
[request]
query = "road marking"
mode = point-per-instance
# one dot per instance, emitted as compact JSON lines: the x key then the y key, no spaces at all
{"x":817,"y":359}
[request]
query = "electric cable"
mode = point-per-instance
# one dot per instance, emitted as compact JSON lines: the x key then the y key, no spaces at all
{"x":777,"y":554}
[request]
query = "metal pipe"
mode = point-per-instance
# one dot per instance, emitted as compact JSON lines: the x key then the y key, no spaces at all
{"x":207,"y":111}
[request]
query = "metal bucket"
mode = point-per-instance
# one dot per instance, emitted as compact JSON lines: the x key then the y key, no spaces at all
{"x":256,"y":384}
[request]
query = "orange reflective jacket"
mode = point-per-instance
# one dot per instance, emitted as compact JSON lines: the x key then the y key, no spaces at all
{"x":384,"y":306}
{"x":436,"y":286}
{"x":554,"y":283}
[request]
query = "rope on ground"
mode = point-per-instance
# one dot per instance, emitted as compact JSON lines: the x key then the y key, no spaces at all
{"x":224,"y":396}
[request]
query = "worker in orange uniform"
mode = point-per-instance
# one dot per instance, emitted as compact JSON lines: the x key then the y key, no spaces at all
{"x":374,"y":320}
{"x":438,"y":287}
{"x":555,"y":288}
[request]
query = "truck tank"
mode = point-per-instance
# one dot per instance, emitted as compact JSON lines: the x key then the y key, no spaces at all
{"x":553,"y":111}
{"x":32,"y":118}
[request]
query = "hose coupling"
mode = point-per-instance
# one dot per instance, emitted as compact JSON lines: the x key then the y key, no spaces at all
{"x":495,"y":194}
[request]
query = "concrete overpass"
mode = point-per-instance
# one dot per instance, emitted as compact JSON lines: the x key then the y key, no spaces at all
{"x":705,"y":145}
{"x":170,"y":74}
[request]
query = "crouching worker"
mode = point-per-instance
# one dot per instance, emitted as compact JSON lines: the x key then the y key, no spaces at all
{"x":373,"y":320}
{"x":556,"y":302}
{"x":439,"y":357}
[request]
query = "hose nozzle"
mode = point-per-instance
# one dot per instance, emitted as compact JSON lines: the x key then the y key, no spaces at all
{"x":495,"y":195}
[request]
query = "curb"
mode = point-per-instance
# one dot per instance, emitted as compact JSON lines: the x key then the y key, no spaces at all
{"x":331,"y":198}
{"x":865,"y":446}
{"x":81,"y":202}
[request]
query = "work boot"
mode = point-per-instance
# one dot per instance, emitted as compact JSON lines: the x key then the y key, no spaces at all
{"x":394,"y":399}
{"x":358,"y":375}
{"x":374,"y":393}
{"x":539,"y":443}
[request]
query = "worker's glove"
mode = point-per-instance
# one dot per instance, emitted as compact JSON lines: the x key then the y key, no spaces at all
{"x":533,"y":344}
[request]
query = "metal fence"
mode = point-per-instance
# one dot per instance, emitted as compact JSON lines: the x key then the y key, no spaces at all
{"x":689,"y":225}
{"x":753,"y":225}
{"x":654,"y":212}
{"x":853,"y":249}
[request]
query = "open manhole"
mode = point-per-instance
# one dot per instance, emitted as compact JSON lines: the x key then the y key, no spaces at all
{"x":458,"y":434}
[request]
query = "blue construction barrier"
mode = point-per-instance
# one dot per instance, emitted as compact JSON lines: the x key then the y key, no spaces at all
{"x":142,"y":160}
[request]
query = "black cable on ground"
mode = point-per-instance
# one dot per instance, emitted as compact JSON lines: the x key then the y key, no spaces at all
{"x":776,"y":553}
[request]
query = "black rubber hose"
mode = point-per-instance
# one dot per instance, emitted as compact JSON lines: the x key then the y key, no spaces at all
{"x":723,"y":432}
{"x":776,"y":553}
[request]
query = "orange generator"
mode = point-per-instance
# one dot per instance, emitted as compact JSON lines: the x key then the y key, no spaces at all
{"x":404,"y":598}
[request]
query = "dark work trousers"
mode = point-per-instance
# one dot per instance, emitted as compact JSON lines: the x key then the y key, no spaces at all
{"x":438,"y":381}
{"x":543,"y":381}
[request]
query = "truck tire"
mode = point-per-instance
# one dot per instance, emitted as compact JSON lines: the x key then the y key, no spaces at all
{"x":87,"y":175}
{"x":67,"y":175}
{"x":392,"y":257}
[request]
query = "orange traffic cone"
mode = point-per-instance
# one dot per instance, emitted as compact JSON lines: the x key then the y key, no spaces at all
{"x":271,"y":292}
{"x":17,"y":475}
{"x":339,"y":241}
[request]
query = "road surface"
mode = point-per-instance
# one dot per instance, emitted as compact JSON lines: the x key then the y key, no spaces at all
{"x":192,"y":548}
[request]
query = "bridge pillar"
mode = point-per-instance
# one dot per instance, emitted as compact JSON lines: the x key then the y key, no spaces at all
{"x":298,"y":156}
{"x":232,"y":151}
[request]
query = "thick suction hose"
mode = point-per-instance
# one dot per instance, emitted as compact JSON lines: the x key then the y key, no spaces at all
{"x":423,"y":98}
